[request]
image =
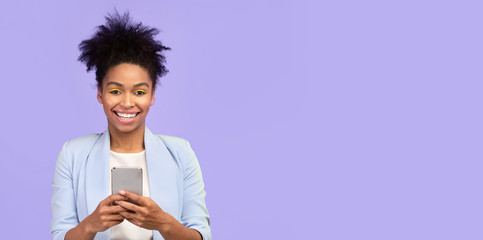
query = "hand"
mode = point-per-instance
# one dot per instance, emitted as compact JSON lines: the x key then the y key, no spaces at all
{"x":147,"y":214}
{"x":106,"y":214}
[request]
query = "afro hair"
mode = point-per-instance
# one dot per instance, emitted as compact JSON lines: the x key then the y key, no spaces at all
{"x":122,"y":41}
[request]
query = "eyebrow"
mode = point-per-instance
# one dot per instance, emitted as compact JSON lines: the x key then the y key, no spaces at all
{"x":114,"y":83}
{"x":120,"y":85}
{"x":141,"y":84}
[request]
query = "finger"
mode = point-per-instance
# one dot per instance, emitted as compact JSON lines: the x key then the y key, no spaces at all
{"x":130,"y":206}
{"x":112,"y":209}
{"x":135,"y":222}
{"x":114,"y":223}
{"x":132,"y":196}
{"x":113,"y":217}
{"x":110,"y":199}
{"x":129,"y":215}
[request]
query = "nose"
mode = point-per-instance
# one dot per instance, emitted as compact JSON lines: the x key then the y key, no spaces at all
{"x":127,"y":101}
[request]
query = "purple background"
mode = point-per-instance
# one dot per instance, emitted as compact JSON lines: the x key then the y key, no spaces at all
{"x":310,"y":119}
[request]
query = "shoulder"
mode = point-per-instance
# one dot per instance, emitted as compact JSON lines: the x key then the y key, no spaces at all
{"x":174,"y":143}
{"x":80,"y":146}
{"x":75,"y":151}
{"x":82,"y":142}
{"x":178,"y":147}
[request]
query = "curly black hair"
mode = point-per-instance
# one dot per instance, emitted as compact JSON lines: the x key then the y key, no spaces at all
{"x":122,"y":41}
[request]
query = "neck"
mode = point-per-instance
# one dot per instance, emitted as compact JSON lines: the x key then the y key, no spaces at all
{"x":127,"y":142}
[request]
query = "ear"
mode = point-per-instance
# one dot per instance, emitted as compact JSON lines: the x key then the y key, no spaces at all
{"x":99,"y":95}
{"x":153,"y":98}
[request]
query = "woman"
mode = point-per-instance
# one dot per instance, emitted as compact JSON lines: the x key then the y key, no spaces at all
{"x":128,"y":62}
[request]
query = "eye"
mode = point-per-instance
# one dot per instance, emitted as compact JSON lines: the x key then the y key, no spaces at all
{"x":139,"y":92}
{"x":115,"y":91}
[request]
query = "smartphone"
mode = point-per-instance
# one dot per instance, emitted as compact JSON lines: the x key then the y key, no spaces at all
{"x":127,"y":178}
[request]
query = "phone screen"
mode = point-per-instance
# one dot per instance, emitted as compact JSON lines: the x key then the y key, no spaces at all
{"x":127,"y":178}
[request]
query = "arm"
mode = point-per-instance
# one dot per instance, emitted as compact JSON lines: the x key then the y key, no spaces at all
{"x":195,"y":214}
{"x":80,"y":232}
{"x":64,"y":212}
{"x":175,"y":230}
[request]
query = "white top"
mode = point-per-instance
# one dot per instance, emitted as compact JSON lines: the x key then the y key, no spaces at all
{"x":127,"y":230}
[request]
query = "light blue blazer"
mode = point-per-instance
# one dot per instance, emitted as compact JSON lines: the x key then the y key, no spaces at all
{"x":82,"y":177}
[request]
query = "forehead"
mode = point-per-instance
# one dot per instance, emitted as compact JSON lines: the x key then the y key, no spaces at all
{"x":126,"y":74}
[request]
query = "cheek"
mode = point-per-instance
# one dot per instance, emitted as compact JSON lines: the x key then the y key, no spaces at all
{"x":107,"y":109}
{"x":108,"y":103}
{"x":146,"y":105}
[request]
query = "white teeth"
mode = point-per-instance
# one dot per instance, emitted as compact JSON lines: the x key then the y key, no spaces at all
{"x":126,"y":115}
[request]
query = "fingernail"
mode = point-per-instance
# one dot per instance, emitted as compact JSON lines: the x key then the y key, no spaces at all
{"x":122,"y":192}
{"x":116,"y":202}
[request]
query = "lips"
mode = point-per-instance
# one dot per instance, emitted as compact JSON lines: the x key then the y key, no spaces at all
{"x":126,"y":116}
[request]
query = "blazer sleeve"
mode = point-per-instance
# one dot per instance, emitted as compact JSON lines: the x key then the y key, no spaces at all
{"x":194,"y":214}
{"x":64,"y":214}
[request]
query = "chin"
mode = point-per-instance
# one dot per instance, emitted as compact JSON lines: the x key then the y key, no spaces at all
{"x":125,"y":129}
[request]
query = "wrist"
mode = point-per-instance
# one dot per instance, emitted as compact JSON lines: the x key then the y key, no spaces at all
{"x":168,"y":225}
{"x":85,"y":227}
{"x":81,"y":231}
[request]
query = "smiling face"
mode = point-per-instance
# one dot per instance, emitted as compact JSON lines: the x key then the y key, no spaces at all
{"x":126,"y":95}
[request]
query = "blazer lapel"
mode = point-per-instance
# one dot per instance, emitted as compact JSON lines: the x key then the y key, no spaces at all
{"x":97,"y":173}
{"x":163,"y":174}
{"x":156,"y":152}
